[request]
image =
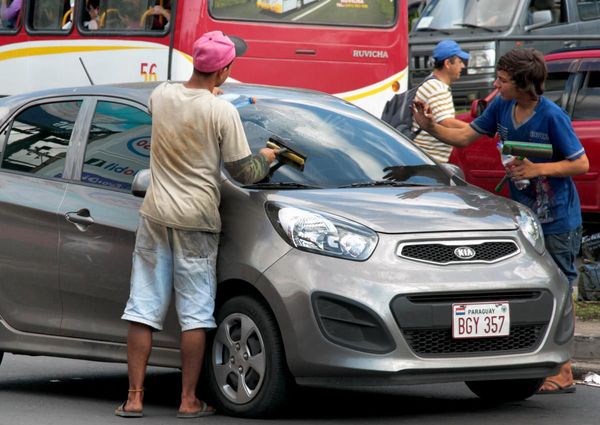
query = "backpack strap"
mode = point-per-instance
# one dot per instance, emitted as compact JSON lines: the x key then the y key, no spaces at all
{"x":429,"y":77}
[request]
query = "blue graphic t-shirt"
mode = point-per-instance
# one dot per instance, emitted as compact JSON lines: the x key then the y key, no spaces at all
{"x":554,"y":200}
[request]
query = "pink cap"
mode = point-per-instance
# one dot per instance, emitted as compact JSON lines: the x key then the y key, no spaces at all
{"x":214,"y":51}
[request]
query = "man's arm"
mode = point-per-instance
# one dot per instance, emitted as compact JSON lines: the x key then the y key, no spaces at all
{"x":526,"y":169}
{"x":251,"y":168}
{"x":453,"y":123}
{"x":459,"y":137}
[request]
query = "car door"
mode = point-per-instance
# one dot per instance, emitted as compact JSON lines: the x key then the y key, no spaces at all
{"x":35,"y":154}
{"x":97,"y":230}
{"x":564,"y":23}
{"x":585,"y":110}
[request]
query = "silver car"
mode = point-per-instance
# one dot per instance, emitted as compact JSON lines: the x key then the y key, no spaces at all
{"x":358,"y":262}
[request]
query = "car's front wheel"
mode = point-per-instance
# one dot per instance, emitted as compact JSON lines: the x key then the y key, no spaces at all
{"x":505,"y":390}
{"x":246,"y":363}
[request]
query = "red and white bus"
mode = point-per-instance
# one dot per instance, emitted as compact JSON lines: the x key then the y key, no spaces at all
{"x":355,"y":49}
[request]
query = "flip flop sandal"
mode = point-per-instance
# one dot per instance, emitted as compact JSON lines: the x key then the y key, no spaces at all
{"x":559,"y":389}
{"x":206,"y":410}
{"x":120,"y":411}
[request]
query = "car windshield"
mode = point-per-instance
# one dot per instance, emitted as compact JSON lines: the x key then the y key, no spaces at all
{"x":339,"y":145}
{"x":455,"y":14}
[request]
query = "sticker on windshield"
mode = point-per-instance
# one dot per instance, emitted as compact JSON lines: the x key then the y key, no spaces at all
{"x":425,"y":22}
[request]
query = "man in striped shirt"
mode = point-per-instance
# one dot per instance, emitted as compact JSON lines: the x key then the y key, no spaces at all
{"x":435,"y":91}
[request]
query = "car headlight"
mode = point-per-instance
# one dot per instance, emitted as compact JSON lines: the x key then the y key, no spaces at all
{"x":481,"y":61}
{"x":531,"y":229}
{"x":322,"y":233}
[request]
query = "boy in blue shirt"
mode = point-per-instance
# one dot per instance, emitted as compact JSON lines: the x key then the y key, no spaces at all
{"x":522,"y":114}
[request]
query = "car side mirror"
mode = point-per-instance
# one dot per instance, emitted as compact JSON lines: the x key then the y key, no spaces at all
{"x":477,"y":107}
{"x":140,"y":184}
{"x":539,"y":18}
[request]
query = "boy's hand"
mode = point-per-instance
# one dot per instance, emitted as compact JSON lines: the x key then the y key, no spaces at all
{"x":422,"y":113}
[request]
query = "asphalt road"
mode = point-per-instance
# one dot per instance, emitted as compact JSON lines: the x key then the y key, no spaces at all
{"x":48,"y":391}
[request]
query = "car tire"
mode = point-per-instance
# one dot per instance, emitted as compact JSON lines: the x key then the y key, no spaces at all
{"x":505,"y":390}
{"x":254,"y":358}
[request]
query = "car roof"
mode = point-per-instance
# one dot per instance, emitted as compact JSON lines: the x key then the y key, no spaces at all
{"x":574,"y":53}
{"x":140,"y":92}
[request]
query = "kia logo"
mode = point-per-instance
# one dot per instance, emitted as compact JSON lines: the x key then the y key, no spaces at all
{"x":464,"y":252}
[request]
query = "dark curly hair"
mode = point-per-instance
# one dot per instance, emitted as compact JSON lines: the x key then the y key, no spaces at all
{"x":527,"y":69}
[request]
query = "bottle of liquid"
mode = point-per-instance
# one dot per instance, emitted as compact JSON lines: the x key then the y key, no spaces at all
{"x":239,"y":101}
{"x":506,"y":159}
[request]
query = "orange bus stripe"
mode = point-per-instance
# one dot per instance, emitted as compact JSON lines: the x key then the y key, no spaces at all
{"x":53,"y":50}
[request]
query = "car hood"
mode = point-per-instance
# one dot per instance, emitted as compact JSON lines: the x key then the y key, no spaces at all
{"x":409,"y":210}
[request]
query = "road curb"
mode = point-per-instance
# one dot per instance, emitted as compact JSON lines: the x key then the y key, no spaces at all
{"x":586,"y":355}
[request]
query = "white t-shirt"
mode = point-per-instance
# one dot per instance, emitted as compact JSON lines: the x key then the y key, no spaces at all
{"x":192,"y":132}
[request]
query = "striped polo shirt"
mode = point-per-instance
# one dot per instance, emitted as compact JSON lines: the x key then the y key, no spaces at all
{"x":437,"y":95}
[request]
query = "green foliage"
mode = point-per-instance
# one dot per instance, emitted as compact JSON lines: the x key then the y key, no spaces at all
{"x":387,"y":9}
{"x":587,"y":310}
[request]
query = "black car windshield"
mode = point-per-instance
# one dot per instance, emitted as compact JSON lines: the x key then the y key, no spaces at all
{"x":455,"y":14}
{"x":339,"y":145}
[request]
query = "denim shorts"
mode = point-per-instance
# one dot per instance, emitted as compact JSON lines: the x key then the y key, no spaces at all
{"x":563,"y":248}
{"x":167,"y":259}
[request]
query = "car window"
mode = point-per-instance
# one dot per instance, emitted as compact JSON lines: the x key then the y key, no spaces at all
{"x":588,"y":9}
{"x":587,"y":104}
{"x":341,"y":144}
{"x":38,"y":139}
{"x":118,"y":145}
{"x":555,"y":86}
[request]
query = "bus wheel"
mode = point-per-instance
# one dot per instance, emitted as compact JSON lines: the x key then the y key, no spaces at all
{"x":246,"y":365}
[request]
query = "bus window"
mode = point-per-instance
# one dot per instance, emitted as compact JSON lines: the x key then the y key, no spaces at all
{"x":10,"y":15}
{"x":339,"y":12}
{"x":126,"y":15}
{"x":49,"y":15}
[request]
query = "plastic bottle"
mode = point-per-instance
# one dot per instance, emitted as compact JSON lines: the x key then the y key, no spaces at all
{"x":239,"y":101}
{"x":506,"y":159}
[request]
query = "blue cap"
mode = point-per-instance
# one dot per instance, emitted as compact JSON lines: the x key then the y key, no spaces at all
{"x":446,"y":49}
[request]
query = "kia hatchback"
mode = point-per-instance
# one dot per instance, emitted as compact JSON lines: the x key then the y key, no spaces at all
{"x":363,"y":264}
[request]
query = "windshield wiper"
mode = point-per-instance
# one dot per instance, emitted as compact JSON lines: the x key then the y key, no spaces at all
{"x":393,"y":183}
{"x":280,"y":185}
{"x":467,"y":25}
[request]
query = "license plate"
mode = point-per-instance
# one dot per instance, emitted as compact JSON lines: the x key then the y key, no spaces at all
{"x":484,"y":320}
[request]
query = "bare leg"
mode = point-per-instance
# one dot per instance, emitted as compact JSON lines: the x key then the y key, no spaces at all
{"x":139,"y":345}
{"x":192,"y":354}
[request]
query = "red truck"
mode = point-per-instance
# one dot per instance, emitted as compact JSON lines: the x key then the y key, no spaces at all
{"x":574,"y":84}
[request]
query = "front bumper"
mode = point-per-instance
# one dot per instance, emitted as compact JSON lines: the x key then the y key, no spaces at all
{"x":381,"y":288}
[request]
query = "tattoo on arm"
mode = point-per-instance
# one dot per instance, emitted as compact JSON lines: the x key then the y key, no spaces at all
{"x":249,"y":169}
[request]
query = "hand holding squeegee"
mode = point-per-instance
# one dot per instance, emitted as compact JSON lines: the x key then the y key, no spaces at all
{"x":286,"y":153}
{"x":522,"y":150}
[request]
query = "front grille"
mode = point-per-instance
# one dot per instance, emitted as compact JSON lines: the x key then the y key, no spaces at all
{"x":446,"y":252}
{"x":436,"y":342}
{"x":422,"y":63}
{"x":425,"y":321}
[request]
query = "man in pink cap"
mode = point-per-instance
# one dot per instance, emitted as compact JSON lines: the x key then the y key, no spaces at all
{"x":178,"y":232}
